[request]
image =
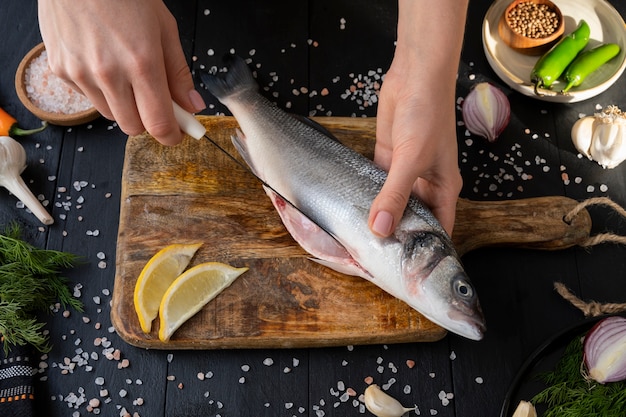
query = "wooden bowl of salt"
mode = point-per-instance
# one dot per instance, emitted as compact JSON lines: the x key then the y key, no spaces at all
{"x":47,"y":96}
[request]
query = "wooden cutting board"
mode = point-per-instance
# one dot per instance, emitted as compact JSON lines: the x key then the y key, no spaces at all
{"x":194,"y":193}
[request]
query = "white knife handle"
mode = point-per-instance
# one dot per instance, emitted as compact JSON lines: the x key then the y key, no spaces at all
{"x":188,"y":123}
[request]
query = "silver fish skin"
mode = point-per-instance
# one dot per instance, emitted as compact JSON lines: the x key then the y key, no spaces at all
{"x":333,"y":188}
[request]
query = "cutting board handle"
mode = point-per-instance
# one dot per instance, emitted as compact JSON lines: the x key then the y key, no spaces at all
{"x":534,"y":223}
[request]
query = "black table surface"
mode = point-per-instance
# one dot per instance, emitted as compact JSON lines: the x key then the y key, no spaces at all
{"x":300,"y":49}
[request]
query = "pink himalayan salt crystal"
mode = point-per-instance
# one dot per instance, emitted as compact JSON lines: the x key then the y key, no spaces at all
{"x":49,"y":92}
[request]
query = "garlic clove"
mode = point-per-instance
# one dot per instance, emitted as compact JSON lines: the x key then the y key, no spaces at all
{"x":581,"y":133}
{"x":486,"y":111}
{"x":525,"y":409}
{"x":12,"y":163}
{"x":382,"y":404}
{"x":607,"y":146}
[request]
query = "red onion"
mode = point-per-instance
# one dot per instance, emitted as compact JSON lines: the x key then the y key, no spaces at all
{"x":486,"y":111}
{"x":605,"y":350}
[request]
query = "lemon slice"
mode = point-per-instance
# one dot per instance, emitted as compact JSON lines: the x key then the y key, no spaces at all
{"x":191,"y":291}
{"x":156,"y":277}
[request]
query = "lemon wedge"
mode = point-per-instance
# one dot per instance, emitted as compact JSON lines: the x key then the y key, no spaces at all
{"x":156,"y":277}
{"x":191,"y":291}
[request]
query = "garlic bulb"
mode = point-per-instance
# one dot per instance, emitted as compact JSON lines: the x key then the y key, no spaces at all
{"x":382,"y":404}
{"x":12,"y":163}
{"x":602,"y":137}
{"x":486,"y":111}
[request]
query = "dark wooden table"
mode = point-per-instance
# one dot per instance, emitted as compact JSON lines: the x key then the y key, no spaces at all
{"x":302,"y":48}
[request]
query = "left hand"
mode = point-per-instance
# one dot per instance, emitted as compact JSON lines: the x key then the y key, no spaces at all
{"x":416,"y":123}
{"x":416,"y":144}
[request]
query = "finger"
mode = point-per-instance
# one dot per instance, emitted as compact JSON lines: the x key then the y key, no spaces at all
{"x":446,"y":215}
{"x":112,"y":95}
{"x":384,"y":124}
{"x":154,"y":104}
{"x":390,"y":203}
{"x":179,"y":77}
{"x":440,"y":199}
{"x":75,"y":77}
{"x":124,"y":111}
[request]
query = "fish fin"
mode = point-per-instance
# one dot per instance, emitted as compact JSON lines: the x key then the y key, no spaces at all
{"x":348,"y":269}
{"x":314,"y":239}
{"x":315,"y":125}
{"x":237,"y":78}
{"x":239,"y":142}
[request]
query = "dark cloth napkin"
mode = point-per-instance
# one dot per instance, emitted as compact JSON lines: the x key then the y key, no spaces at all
{"x":16,"y":382}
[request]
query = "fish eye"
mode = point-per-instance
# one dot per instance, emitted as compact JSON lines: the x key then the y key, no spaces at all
{"x":463,"y":288}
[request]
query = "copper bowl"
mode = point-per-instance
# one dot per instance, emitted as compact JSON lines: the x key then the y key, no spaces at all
{"x":61,"y":119}
{"x":525,"y":44}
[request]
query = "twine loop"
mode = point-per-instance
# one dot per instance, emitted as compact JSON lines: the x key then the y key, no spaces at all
{"x":593,"y":308}
{"x":589,"y":308}
{"x":601,"y":237}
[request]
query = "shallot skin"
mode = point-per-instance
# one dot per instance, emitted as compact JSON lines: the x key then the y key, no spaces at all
{"x":486,"y":111}
{"x":605,"y":350}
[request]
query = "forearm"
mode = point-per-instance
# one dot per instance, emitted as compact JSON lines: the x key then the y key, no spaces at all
{"x":430,"y":37}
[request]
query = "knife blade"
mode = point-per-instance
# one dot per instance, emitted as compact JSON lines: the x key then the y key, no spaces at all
{"x":192,"y":126}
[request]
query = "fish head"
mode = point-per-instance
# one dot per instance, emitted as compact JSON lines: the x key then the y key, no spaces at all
{"x":436,"y":284}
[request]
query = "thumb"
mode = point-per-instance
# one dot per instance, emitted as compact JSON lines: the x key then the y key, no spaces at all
{"x":390,"y":203}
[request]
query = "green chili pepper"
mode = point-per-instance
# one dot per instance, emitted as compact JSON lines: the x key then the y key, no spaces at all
{"x":587,"y":62}
{"x":553,"y":63}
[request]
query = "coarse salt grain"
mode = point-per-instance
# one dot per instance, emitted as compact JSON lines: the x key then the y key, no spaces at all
{"x":49,"y":92}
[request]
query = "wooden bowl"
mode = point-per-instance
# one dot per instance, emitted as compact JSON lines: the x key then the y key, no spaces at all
{"x":525,"y":44}
{"x":61,"y":119}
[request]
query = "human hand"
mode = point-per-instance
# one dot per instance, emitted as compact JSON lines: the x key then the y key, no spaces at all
{"x":416,"y":123}
{"x":126,"y":57}
{"x":416,"y":143}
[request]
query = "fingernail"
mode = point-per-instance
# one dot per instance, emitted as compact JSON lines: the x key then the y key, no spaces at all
{"x":196,"y":100}
{"x":383,"y":222}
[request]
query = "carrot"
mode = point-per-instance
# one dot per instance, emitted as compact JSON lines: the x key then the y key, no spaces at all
{"x":9,"y":126}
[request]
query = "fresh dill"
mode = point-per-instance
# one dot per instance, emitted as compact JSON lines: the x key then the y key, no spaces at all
{"x":29,"y":284}
{"x":569,"y":394}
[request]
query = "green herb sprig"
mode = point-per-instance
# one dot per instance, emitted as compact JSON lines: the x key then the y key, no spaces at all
{"x":569,"y":394}
{"x":30,"y":283}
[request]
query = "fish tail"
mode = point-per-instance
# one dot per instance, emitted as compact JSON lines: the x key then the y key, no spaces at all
{"x":238,"y":78}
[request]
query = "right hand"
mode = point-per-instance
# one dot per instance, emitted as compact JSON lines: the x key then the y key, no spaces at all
{"x":126,"y":57}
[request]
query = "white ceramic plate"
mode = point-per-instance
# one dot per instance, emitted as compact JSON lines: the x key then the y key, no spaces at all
{"x":514,"y":68}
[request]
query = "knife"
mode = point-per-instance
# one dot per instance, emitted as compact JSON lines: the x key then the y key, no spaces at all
{"x":191,"y":126}
{"x":188,"y":123}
